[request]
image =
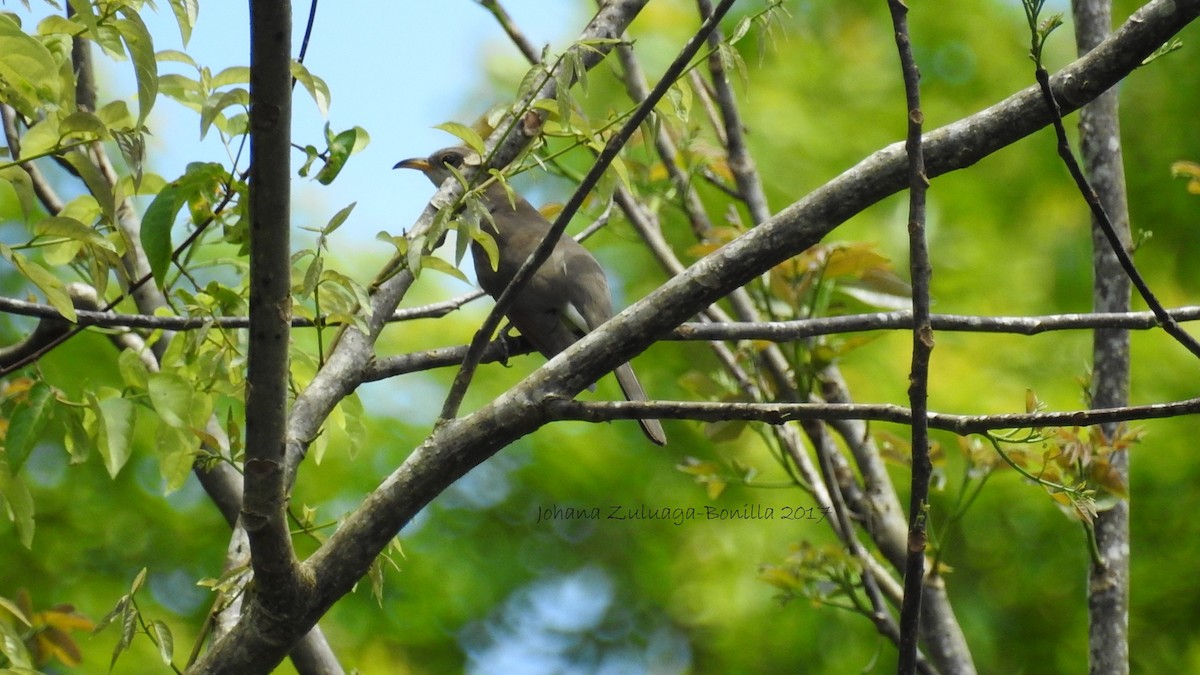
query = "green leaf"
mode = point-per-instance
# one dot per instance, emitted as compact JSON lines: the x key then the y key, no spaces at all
{"x":16,"y":612}
{"x":312,"y":276}
{"x":26,"y":425}
{"x":129,"y":622}
{"x":85,"y":124}
{"x":166,"y":643}
{"x":341,"y":147}
{"x":338,"y":218}
{"x":116,"y":611}
{"x":231,"y":75}
{"x":115,"y":115}
{"x":400,"y":243}
{"x":22,"y":185}
{"x":16,"y":496}
{"x":60,"y":253}
{"x":435,"y":263}
{"x":151,"y":184}
{"x":78,"y":439}
{"x":183,"y":89}
{"x":141,"y":50}
{"x":315,"y":86}
{"x":28,"y":70}
{"x":138,"y":581}
{"x":41,"y":139}
{"x":176,"y":56}
{"x":56,"y":24}
{"x":84,"y":209}
{"x":58,"y":226}
{"x":176,"y":465}
{"x":94,"y":180}
{"x":46,"y":282}
{"x":134,"y":373}
{"x":414,"y":254}
{"x":739,"y":31}
{"x":465,"y":133}
{"x":488,"y":243}
{"x":133,"y":150}
{"x":186,"y":13}
{"x":215,"y":104}
{"x":352,"y":416}
{"x":156,"y":230}
{"x":171,"y":397}
{"x":114,"y":430}
{"x":84,"y":14}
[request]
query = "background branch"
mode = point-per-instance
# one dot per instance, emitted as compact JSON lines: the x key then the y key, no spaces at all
{"x":1100,"y":145}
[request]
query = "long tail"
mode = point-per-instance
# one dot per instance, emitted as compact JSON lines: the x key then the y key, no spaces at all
{"x":634,"y":392}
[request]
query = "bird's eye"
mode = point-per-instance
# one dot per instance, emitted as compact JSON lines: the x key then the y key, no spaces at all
{"x":451,"y":159}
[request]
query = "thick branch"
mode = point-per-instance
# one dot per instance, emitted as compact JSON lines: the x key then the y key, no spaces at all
{"x":265,"y":502}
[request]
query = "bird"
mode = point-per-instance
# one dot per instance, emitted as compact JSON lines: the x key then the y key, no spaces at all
{"x":567,"y":296}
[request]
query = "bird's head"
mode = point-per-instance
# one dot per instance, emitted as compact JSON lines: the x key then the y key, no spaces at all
{"x":437,"y":166}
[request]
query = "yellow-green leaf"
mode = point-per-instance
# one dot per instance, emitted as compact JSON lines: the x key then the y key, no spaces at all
{"x":141,"y":51}
{"x":464,"y":133}
{"x":315,"y":86}
{"x":47,"y":283}
{"x":171,"y":397}
{"x":114,"y":430}
{"x":27,"y":69}
{"x":186,"y":13}
{"x":435,"y":263}
{"x":58,"y":226}
{"x":16,"y":496}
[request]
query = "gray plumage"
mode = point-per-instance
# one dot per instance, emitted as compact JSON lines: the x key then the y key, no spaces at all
{"x":568,"y":295}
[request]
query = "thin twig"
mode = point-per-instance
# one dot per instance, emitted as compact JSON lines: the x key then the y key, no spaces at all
{"x":560,"y":409}
{"x":1100,"y":217}
{"x":522,"y":43}
{"x":709,"y":329}
{"x":922,"y":346}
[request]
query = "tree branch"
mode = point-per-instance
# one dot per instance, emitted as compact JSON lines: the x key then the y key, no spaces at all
{"x":1100,"y":145}
{"x":922,"y":348}
{"x":264,"y":505}
{"x":518,"y":38}
{"x":562,"y":409}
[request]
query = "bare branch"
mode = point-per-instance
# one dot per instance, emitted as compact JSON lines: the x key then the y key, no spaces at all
{"x":264,"y":505}
{"x":771,"y":331}
{"x":922,"y":348}
{"x":1100,"y":145}
{"x":514,"y":33}
{"x":782,"y":413}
